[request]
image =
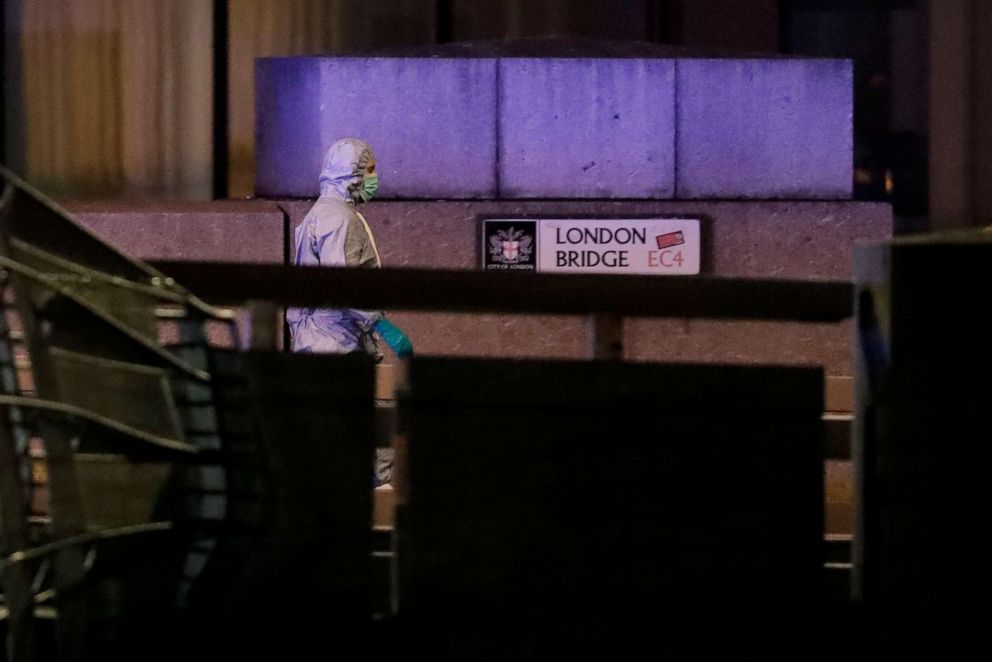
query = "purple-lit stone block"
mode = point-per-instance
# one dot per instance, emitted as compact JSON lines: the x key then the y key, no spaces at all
{"x":288,"y":144}
{"x":587,"y":128}
{"x":431,"y":123}
{"x":764,"y":128}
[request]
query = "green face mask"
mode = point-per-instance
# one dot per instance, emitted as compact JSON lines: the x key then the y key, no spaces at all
{"x":370,"y":186}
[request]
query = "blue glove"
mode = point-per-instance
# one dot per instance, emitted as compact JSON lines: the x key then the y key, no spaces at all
{"x":394,"y":337}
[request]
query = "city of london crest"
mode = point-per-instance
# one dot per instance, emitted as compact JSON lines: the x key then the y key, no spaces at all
{"x":511,"y":246}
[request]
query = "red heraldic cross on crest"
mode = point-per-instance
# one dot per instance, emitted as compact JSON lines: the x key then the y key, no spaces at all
{"x":510,"y":250}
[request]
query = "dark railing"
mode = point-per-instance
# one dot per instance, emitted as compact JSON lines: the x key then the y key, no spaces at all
{"x":477,"y":291}
{"x":605,"y":299}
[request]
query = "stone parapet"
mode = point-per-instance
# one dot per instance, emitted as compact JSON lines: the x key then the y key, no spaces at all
{"x":648,"y":123}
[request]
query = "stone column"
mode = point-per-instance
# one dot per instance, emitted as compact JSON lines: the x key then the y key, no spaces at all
{"x":960,"y":113}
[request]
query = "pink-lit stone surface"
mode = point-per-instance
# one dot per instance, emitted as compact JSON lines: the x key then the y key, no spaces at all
{"x":810,"y":240}
{"x":228,"y":230}
{"x":222,"y":231}
{"x":803,"y":240}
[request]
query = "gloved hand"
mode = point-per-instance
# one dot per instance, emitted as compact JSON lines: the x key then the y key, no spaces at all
{"x":394,"y":337}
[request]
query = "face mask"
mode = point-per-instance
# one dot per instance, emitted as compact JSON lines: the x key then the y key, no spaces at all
{"x":370,"y":186}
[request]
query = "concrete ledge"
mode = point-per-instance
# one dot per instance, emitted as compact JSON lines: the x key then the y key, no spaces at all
{"x":222,"y":231}
{"x":775,"y":239}
{"x":229,"y":230}
{"x":808,"y":240}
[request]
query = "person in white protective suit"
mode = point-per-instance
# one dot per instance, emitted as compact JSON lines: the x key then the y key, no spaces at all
{"x":333,"y":233}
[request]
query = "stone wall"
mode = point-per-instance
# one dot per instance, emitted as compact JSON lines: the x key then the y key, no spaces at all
{"x":803,"y":240}
{"x":758,"y":147}
{"x":590,"y":121}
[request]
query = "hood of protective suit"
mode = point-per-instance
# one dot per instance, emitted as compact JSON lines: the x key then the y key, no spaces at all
{"x":344,"y":169}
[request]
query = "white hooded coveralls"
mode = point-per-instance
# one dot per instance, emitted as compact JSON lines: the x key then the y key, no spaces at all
{"x":333,"y":233}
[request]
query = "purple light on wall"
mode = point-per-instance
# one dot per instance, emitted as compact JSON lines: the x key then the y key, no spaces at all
{"x":287,"y":127}
{"x":608,"y":127}
{"x":765,"y":128}
{"x":587,"y":128}
{"x":431,"y":123}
